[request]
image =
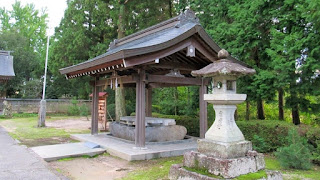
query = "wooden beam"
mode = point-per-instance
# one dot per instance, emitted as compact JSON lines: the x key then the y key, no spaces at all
{"x":203,"y":109}
{"x":149,"y":102}
{"x":165,"y":85}
{"x":101,"y":66}
{"x":174,"y":65}
{"x":95,"y":101}
{"x":124,"y":79}
{"x":173,"y":80}
{"x":140,"y":110}
{"x":208,"y":54}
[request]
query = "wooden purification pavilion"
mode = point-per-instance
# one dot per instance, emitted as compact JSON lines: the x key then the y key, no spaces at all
{"x":162,"y":55}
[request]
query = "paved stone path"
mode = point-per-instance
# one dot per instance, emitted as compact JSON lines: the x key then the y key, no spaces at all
{"x":126,"y":149}
{"x":18,"y":162}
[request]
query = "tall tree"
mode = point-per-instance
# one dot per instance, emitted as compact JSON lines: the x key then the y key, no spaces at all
{"x":23,"y":30}
{"x":243,"y":28}
{"x":85,"y":32}
{"x":292,"y":51}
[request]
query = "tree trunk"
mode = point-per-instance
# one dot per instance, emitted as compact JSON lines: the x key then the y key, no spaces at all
{"x":280,"y":103}
{"x":121,"y":22}
{"x":170,"y":8}
{"x":295,"y":115}
{"x":260,"y":110}
{"x":247,"y":110}
{"x":120,"y":105}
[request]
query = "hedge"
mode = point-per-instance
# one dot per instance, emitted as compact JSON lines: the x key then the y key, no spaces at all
{"x":265,"y":135}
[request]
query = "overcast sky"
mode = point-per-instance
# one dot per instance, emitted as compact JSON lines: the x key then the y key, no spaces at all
{"x":55,"y":9}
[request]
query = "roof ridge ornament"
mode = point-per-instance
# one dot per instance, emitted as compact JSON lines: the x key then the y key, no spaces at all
{"x":113,"y":44}
{"x":223,"y":54}
{"x":186,"y":17}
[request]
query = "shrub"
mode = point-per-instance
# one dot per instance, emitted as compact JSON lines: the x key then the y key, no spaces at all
{"x":84,"y":111}
{"x":111,"y":109}
{"x":296,"y":155}
{"x":191,"y":123}
{"x":273,"y":133}
{"x":73,"y":110}
{"x":316,"y":153}
{"x":259,"y":144}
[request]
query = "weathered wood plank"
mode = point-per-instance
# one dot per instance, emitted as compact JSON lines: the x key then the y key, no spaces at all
{"x":140,"y":110}
{"x":203,"y":109}
{"x":173,"y":80}
{"x":124,"y":80}
{"x":95,"y":101}
{"x":149,"y":102}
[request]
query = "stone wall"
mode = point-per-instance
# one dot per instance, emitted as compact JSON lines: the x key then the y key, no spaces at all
{"x":32,"y":105}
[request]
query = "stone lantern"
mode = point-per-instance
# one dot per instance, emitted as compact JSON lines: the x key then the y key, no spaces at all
{"x":223,"y":151}
{"x":224,"y":98}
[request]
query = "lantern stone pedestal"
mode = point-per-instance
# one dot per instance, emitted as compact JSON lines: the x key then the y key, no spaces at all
{"x":224,"y":152}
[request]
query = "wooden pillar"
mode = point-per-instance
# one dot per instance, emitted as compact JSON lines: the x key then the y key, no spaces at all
{"x":95,"y":102}
{"x":140,"y":110}
{"x":149,"y":102}
{"x":203,"y":110}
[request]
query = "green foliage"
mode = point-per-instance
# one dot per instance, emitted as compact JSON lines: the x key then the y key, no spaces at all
{"x":316,"y":153}
{"x":176,"y":101}
{"x":273,"y":133}
{"x":76,"y":110}
{"x":259,"y":144}
{"x":84,"y":111}
{"x":202,"y":171}
{"x":23,"y":115}
{"x":23,"y":31}
{"x":296,"y":155}
{"x":191,"y":123}
{"x":111,"y":109}
{"x":252,"y":176}
{"x":73,"y":109}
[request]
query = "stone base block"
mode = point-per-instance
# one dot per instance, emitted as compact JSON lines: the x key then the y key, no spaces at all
{"x":227,"y":168}
{"x":177,"y":172}
{"x":224,"y":150}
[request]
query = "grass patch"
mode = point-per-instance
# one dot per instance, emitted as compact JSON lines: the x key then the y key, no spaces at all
{"x":272,"y":163}
{"x":156,"y":168}
{"x":159,"y":169}
{"x":87,"y":156}
{"x":25,"y":130}
{"x":66,"y":159}
{"x":253,"y":176}
{"x":202,"y":171}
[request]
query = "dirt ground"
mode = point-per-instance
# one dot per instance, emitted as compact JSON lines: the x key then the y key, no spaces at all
{"x":81,"y":123}
{"x":101,"y":167}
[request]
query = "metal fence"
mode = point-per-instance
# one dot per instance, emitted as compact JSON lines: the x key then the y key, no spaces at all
{"x":32,"y":105}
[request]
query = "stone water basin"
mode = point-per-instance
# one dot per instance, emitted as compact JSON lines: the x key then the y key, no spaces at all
{"x":150,"y":121}
{"x":157,"y":129}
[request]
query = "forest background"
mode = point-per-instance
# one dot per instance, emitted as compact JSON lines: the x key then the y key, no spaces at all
{"x":279,"y":39}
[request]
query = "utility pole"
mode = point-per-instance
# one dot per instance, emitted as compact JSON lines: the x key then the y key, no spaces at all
{"x":42,"y":111}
